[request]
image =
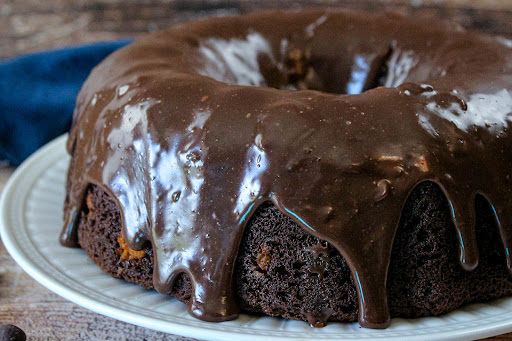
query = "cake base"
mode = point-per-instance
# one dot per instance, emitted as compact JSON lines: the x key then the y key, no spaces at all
{"x":284,"y":271}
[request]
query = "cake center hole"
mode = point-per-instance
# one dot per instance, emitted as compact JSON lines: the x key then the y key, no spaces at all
{"x":303,"y":71}
{"x":299,"y":65}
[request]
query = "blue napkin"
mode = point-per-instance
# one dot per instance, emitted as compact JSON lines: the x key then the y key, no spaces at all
{"x":38,"y":92}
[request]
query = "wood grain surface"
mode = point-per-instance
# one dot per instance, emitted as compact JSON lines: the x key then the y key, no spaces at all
{"x":33,"y":25}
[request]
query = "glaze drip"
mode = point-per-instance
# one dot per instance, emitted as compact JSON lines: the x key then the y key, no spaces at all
{"x":188,"y":155}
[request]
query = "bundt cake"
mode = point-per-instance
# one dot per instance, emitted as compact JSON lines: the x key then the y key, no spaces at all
{"x":320,"y":165}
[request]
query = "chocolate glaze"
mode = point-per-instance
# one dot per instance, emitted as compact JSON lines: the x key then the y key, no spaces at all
{"x":184,"y":131}
{"x":319,"y":320}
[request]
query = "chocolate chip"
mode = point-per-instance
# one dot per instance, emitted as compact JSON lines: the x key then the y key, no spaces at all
{"x":9,"y":332}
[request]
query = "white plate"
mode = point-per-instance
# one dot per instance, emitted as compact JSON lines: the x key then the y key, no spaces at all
{"x":30,"y":222}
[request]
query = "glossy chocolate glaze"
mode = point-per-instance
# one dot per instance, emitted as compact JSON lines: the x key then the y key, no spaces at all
{"x":191,"y":129}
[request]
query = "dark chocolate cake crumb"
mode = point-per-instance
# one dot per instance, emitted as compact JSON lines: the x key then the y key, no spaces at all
{"x":282,"y":270}
{"x":9,"y":332}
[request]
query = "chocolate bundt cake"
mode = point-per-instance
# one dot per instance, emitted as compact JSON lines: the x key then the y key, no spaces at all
{"x":318,"y":165}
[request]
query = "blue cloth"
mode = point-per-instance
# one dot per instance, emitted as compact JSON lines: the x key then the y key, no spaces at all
{"x":38,"y":92}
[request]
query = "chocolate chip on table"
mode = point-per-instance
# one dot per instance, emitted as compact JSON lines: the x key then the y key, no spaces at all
{"x":9,"y":332}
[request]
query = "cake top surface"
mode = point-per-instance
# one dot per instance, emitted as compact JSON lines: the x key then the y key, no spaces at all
{"x":333,"y":116}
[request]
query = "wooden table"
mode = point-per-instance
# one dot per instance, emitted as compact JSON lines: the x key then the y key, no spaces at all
{"x":32,"y":25}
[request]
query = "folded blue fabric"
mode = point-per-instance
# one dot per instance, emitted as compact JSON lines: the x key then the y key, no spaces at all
{"x":38,"y":92}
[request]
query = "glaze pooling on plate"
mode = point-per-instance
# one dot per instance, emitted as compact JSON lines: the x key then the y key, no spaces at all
{"x":188,"y":154}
